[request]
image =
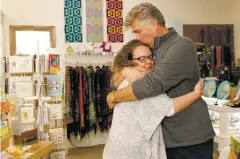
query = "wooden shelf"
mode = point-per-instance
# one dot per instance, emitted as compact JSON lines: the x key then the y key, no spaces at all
{"x":66,"y":122}
{"x":5,"y":142}
{"x":38,"y":150}
{"x":89,"y":55}
{"x":36,"y":98}
{"x":30,"y":73}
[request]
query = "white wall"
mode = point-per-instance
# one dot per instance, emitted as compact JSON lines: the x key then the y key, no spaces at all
{"x":50,"y":12}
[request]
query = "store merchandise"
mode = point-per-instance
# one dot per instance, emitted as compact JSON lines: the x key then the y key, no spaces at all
{"x":55,"y":111}
{"x":94,"y":20}
{"x":5,"y":155}
{"x":20,"y":64}
{"x":114,"y":20}
{"x":2,"y":94}
{"x":57,"y":155}
{"x":54,"y":62}
{"x":73,"y":28}
{"x":43,"y":136}
{"x":4,"y":125}
{"x":88,"y":106}
{"x":54,"y":84}
{"x":237,"y":92}
{"x":4,"y":120}
{"x":28,"y":94}
{"x":41,"y":63}
{"x":18,"y":128}
{"x":26,"y":113}
{"x":56,"y":135}
{"x":210,"y":87}
{"x":223,"y":90}
{"x":18,"y":83}
{"x":28,"y":88}
{"x":235,"y":149}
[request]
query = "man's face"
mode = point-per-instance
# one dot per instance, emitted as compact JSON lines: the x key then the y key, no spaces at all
{"x":144,"y":31}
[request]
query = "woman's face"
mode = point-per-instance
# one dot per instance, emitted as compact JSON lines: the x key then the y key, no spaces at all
{"x":142,"y":57}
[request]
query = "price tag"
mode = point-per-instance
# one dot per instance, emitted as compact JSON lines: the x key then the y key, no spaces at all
{"x":25,"y":148}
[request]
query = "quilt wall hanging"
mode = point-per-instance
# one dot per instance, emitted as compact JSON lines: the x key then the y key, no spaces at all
{"x":73,"y":20}
{"x":94,"y":20}
{"x":114,"y":20}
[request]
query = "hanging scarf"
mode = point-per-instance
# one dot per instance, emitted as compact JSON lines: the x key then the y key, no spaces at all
{"x":67,"y":107}
{"x":219,"y":55}
{"x":74,"y":81}
{"x":105,"y":112}
{"x":92,"y":112}
{"x":105,"y":89}
{"x":98,"y":95}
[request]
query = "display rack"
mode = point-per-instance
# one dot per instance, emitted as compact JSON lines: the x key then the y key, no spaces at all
{"x":224,"y":124}
{"x":84,"y":60}
{"x":40,"y":122}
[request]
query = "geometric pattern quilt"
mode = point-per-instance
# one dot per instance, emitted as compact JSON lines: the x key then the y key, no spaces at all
{"x":73,"y":20}
{"x":114,"y":20}
{"x":94,"y":20}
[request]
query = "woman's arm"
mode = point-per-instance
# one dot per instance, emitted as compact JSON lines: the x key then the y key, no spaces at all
{"x":184,"y":101}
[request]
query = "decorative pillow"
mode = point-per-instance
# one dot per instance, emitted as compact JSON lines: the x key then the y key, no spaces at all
{"x":235,"y":149}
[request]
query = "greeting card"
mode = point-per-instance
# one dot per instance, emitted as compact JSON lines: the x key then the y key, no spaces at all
{"x":55,"y":111}
{"x":54,"y":85}
{"x":20,"y":64}
{"x":54,"y":62}
{"x":56,"y":135}
{"x":26,"y":113}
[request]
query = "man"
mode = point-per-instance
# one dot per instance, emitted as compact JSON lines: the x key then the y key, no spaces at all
{"x":189,"y":134}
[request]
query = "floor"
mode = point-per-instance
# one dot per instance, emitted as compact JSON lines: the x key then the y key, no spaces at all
{"x":86,"y":153}
{"x":92,"y":152}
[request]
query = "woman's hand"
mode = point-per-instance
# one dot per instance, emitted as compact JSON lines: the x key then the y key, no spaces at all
{"x":198,"y":89}
{"x":133,"y":73}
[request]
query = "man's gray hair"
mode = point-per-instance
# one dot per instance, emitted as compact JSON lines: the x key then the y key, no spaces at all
{"x":144,"y":12}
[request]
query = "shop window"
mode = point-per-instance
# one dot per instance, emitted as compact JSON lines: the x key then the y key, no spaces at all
{"x":31,"y":39}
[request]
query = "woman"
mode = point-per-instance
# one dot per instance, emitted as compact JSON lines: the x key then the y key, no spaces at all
{"x":136,"y":131}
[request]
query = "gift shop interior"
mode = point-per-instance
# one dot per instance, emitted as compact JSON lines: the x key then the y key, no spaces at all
{"x":56,"y":58}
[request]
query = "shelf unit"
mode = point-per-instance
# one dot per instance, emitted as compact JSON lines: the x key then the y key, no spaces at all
{"x":223,"y":136}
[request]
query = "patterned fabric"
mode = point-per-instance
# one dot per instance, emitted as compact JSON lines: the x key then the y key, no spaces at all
{"x":94,"y":13}
{"x":114,"y":20}
{"x":73,"y":20}
{"x":81,"y":99}
{"x":219,"y":54}
{"x":97,"y":92}
{"x":88,"y":90}
{"x":67,"y":106}
{"x":85,"y":91}
{"x":136,"y":131}
{"x":92,"y":110}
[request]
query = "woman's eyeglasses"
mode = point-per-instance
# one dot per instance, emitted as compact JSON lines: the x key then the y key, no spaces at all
{"x":144,"y":58}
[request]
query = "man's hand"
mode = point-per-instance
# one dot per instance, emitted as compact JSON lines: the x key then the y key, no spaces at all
{"x":111,"y":105}
{"x":198,"y":89}
{"x":133,"y":73}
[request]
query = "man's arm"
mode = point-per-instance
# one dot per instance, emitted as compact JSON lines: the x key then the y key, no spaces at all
{"x":176,"y":66}
{"x":130,"y":73}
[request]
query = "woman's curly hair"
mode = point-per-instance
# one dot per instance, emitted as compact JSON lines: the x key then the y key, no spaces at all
{"x":122,"y":59}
